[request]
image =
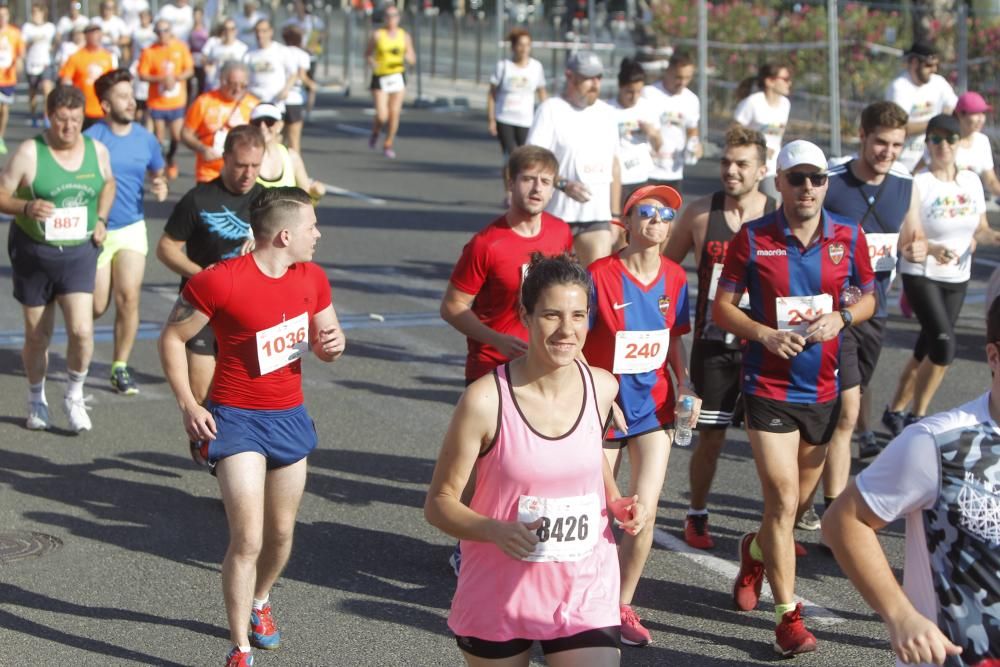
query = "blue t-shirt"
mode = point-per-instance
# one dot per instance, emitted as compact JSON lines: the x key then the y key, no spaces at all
{"x":848,"y":196}
{"x":132,"y":156}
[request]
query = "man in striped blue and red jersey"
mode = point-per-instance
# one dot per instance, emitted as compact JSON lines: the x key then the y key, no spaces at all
{"x":808,"y":276}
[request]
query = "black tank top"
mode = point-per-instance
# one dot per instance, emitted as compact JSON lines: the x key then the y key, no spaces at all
{"x":713,"y":251}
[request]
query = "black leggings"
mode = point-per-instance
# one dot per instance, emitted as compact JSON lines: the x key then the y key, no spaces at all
{"x":937,"y":305}
{"x":511,"y":137}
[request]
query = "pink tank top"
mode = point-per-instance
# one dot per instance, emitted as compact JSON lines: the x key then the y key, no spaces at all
{"x":573,"y":583}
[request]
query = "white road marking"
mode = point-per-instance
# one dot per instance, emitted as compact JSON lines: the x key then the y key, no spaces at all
{"x":727,"y":571}
{"x":353,"y":129}
{"x":351,"y":194}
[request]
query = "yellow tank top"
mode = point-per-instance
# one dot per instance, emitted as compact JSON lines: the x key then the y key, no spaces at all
{"x":287,"y":177}
{"x":389,"y":52}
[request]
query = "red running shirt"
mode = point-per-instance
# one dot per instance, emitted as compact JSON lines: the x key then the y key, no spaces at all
{"x":240,"y":301}
{"x":491,"y":268}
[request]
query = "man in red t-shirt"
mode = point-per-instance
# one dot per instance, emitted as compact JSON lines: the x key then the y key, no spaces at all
{"x":266,"y":309}
{"x":484,"y":291}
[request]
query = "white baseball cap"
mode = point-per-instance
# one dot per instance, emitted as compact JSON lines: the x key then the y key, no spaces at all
{"x":799,"y":152}
{"x":265,"y":110}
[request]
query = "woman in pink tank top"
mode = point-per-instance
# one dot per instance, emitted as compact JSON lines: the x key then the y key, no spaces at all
{"x":538,"y":557}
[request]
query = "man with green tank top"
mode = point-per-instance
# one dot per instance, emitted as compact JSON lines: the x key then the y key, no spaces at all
{"x":60,"y":189}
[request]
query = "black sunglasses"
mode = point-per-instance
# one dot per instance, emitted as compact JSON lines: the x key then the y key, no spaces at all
{"x":797,"y":179}
{"x":938,"y":138}
{"x":270,"y":122}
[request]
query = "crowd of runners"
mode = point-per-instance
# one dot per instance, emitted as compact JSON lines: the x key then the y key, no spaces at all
{"x":574,"y":305}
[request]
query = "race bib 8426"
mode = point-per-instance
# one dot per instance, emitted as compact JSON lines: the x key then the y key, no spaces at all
{"x":569,"y":526}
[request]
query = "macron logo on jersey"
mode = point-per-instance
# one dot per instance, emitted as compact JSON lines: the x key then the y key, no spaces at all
{"x":775,"y":252}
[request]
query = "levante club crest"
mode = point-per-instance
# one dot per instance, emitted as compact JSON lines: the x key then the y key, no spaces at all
{"x":664,"y":304}
{"x":837,"y":252}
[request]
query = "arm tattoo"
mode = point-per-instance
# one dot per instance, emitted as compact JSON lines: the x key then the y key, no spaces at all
{"x":181,"y":312}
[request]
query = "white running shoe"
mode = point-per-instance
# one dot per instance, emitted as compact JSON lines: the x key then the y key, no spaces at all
{"x":38,"y":416}
{"x":76,"y":410}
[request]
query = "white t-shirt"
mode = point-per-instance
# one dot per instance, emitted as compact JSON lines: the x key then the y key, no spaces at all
{"x":950,"y":214}
{"x":978,"y":157}
{"x":245,"y":27}
{"x":677,"y":114}
{"x":635,"y":153}
{"x":181,"y":18}
{"x":218,"y":53}
{"x":298,"y":60}
{"x":269,"y":71}
{"x":921,"y":103}
{"x":38,"y":40}
{"x":66,"y":49}
{"x":130,"y":12}
{"x":308,"y":25}
{"x":908,"y":479}
{"x":516,"y":86}
{"x":585,"y":141}
{"x":113,"y":30}
{"x":66,"y":25}
{"x":755,"y":113}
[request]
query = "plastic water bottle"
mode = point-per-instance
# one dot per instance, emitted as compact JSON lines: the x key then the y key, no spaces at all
{"x":682,"y":432}
{"x":691,"y":151}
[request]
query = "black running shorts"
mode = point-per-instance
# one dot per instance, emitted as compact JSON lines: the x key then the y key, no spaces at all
{"x":860,"y":346}
{"x":609,"y":637}
{"x":41,"y":272}
{"x":715,"y":374}
{"x":814,"y":421}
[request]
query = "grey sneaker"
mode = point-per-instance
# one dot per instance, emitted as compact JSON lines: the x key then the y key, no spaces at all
{"x":76,"y":410}
{"x":868,"y":446}
{"x":808,"y":521}
{"x":122,"y":382}
{"x":38,"y":416}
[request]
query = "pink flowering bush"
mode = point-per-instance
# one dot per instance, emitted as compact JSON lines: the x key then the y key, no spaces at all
{"x":866,"y":34}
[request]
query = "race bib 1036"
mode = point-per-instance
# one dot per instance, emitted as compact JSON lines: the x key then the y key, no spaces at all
{"x":282,"y":344}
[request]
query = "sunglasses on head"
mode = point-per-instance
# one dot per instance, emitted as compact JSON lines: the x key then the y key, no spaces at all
{"x":798,"y":179}
{"x":648,"y":211}
{"x":938,"y":138}
{"x":270,"y":122}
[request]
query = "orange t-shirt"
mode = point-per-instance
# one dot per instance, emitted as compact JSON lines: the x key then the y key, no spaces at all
{"x":210,"y":117}
{"x":11,"y":49}
{"x":82,"y":69}
{"x":174,"y":57}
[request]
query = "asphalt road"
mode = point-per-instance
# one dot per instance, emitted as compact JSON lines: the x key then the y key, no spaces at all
{"x":135,"y":579}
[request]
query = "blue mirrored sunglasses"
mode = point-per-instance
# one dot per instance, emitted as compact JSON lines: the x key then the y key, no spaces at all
{"x":647,"y":210}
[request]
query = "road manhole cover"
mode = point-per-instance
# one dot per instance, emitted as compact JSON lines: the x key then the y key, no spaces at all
{"x":20,"y":545}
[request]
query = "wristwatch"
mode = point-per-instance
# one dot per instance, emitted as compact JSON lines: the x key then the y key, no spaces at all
{"x":847,"y":317}
{"x":561,"y":184}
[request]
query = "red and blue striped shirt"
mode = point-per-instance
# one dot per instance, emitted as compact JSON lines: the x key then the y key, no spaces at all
{"x":769,"y":262}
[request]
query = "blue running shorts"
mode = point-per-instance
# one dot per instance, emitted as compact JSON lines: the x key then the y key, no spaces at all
{"x":283,"y":437}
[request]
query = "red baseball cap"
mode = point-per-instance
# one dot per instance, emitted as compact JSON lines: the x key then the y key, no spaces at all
{"x":972,"y":103}
{"x":664,"y":193}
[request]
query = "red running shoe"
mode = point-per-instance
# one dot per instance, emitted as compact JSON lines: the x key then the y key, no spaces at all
{"x":791,"y":636}
{"x":632,"y":631}
{"x":263,"y":630}
{"x":750,"y":578}
{"x":199,"y":452}
{"x":800,"y":550}
{"x":238,"y":658}
{"x":696,"y":532}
